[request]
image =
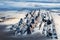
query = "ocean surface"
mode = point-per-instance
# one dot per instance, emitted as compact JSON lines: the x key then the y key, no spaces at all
{"x":30,"y":9}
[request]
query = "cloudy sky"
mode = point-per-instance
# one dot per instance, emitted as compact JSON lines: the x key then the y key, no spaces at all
{"x":23,"y":3}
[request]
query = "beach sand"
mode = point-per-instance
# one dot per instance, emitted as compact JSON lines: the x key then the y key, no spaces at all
{"x":56,"y":18}
{"x":14,"y":18}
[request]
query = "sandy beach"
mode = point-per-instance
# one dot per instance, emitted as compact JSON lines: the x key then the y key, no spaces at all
{"x":56,"y":18}
{"x":14,"y":18}
{"x":19,"y":15}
